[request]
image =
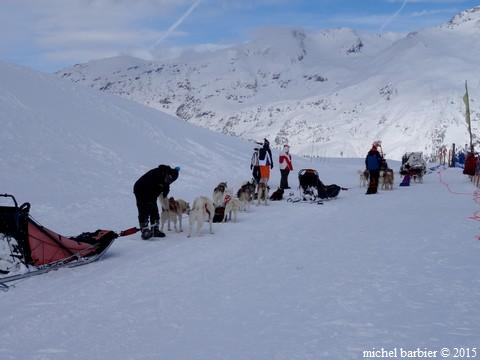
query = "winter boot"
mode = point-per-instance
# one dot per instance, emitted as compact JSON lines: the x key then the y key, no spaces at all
{"x":146,"y":232}
{"x":156,"y":231}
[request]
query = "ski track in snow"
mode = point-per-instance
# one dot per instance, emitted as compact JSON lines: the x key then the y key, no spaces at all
{"x":287,"y":281}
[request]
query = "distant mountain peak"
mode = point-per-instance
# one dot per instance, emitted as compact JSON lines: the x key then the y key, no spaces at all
{"x":326,"y":92}
{"x":465,"y":18}
{"x":278,"y":43}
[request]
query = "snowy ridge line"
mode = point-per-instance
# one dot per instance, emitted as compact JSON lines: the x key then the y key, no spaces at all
{"x":327,"y":93}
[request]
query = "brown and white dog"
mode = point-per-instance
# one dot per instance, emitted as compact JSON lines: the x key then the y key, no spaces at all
{"x":172,"y":211}
{"x":364,"y":177}
{"x":201,"y":211}
{"x":262,"y":193}
{"x":232,"y":205}
{"x":219,"y":194}
{"x":387,"y":179}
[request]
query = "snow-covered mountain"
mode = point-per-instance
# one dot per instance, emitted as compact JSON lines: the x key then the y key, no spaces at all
{"x":328,"y":93}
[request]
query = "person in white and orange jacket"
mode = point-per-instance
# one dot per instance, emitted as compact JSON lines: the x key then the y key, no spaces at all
{"x":286,"y":166}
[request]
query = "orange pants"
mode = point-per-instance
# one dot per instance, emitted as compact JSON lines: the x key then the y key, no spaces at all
{"x":264,"y":173}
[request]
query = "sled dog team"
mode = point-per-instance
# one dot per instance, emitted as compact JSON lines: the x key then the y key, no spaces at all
{"x":386,"y":178}
{"x":155,"y":184}
{"x":203,"y":207}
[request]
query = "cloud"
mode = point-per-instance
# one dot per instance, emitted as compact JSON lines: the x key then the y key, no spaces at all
{"x":434,"y":12}
{"x":80,"y":30}
{"x":177,"y":23}
{"x":398,"y":12}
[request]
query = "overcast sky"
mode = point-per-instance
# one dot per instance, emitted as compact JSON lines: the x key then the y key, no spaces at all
{"x":50,"y":34}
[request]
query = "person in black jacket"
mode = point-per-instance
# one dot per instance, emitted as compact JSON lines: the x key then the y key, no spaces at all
{"x":147,"y":189}
{"x":265,"y":161}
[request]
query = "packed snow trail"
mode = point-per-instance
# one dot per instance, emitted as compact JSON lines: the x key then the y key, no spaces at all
{"x":288,"y":281}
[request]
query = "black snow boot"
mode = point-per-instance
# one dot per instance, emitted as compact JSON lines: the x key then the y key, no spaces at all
{"x":146,"y":232}
{"x":156,"y":231}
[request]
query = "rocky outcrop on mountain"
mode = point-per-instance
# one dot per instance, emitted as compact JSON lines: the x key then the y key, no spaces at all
{"x":327,"y":93}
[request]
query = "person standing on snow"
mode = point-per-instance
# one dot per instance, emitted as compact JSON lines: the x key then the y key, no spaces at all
{"x":286,"y":166}
{"x":265,"y":161}
{"x":147,"y":189}
{"x":254,"y":166}
{"x":372,"y":163}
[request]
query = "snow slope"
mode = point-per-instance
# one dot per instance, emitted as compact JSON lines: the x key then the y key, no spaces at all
{"x":75,"y":154}
{"x":328,"y":93}
{"x":288,"y":281}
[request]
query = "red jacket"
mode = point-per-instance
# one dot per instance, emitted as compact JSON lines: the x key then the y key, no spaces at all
{"x":285,"y":161}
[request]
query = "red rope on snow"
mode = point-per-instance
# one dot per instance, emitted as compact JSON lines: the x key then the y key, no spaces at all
{"x":475,"y":194}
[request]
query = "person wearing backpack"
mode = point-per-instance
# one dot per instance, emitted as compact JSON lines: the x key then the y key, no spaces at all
{"x":285,"y":160}
{"x":254,"y":166}
{"x":147,"y":189}
{"x":372,"y":163}
{"x":265,"y":161}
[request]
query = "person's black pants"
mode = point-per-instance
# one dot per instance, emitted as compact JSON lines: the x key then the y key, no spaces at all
{"x":373,"y":185}
{"x":147,"y":210}
{"x":284,"y":178}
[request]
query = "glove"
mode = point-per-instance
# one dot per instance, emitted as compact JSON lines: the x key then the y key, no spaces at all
{"x":251,"y":167}
{"x":271,"y":166}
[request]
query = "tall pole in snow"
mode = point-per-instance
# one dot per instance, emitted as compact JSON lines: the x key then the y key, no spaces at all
{"x":466,"y":100}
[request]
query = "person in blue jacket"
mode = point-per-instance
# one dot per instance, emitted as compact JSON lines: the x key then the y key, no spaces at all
{"x":372,"y":163}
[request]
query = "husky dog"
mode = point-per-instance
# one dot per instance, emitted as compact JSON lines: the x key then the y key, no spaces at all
{"x":387,"y":179}
{"x":418,"y":177}
{"x":219,"y":194}
{"x":173,"y":212}
{"x":277,"y":194}
{"x":262,"y":193}
{"x":201,"y":211}
{"x":245,"y":194}
{"x":232,"y":205}
{"x":364,"y":177}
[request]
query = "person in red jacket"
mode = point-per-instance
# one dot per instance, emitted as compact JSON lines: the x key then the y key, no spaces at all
{"x":286,"y":166}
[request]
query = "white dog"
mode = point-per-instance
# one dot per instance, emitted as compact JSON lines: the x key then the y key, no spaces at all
{"x":173,"y":210}
{"x":262,"y":193}
{"x":201,"y":211}
{"x":232,"y":205}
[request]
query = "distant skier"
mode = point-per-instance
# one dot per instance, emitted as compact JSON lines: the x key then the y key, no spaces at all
{"x":147,"y":189}
{"x":285,"y":160}
{"x":372,"y":163}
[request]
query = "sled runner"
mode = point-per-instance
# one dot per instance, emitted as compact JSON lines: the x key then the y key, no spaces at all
{"x":37,"y":249}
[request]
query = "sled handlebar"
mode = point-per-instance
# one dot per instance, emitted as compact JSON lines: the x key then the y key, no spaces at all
{"x":12,"y":197}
